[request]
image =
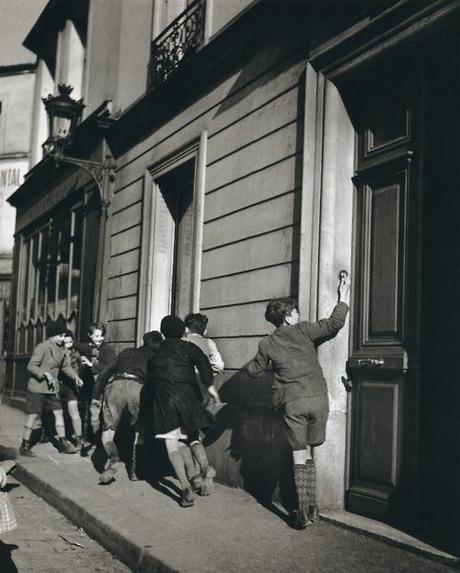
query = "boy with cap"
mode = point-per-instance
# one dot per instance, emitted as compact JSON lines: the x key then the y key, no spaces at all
{"x":49,"y":359}
{"x":299,"y":388}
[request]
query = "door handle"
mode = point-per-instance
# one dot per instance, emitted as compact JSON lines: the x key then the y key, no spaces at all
{"x":377,"y":362}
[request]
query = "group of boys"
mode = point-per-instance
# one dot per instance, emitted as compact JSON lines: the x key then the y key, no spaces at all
{"x":299,"y":388}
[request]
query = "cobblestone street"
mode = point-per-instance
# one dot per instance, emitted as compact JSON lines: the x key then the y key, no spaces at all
{"x":43,"y":542}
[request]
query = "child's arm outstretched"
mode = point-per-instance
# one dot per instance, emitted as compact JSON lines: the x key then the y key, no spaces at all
{"x":215,"y":358}
{"x":329,"y":327}
{"x":259,"y":363}
{"x":200,"y":360}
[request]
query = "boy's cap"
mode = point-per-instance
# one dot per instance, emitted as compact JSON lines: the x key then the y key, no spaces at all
{"x":53,"y":329}
{"x":172,"y":327}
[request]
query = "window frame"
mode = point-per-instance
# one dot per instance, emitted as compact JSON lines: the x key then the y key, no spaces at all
{"x":197,"y":150}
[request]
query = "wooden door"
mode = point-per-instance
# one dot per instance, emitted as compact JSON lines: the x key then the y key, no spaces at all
{"x":384,"y":361}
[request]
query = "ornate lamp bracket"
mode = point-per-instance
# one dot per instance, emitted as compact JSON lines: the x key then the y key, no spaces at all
{"x":102,"y":173}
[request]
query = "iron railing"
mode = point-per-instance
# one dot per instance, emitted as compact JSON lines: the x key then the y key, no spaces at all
{"x":177,"y":43}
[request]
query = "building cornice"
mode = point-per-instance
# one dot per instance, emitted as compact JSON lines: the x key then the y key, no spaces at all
{"x":18,"y":69}
{"x":402,"y":26}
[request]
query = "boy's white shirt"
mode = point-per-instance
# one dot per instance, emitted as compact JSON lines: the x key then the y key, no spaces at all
{"x":215,"y":358}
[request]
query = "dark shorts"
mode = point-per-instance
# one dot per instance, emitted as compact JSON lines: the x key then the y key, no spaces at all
{"x":68,"y":393}
{"x":37,"y":403}
{"x":121,"y":394}
{"x":306,"y":420}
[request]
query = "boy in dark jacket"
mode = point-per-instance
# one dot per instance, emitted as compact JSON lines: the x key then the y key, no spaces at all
{"x":96,"y":357}
{"x":121,"y":387}
{"x":300,"y":389}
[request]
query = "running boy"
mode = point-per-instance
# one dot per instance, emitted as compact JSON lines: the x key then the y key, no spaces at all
{"x":48,"y":360}
{"x":299,"y":387}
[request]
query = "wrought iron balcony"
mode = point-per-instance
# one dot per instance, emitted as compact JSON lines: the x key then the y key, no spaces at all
{"x":177,"y":43}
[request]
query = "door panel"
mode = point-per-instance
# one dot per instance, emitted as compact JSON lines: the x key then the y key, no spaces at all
{"x":383,"y":441}
{"x":384,"y":264}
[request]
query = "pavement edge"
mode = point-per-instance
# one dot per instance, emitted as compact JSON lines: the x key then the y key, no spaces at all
{"x":133,"y":555}
{"x":451,"y":561}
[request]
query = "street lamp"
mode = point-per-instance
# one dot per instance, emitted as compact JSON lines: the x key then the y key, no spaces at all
{"x":64,"y":114}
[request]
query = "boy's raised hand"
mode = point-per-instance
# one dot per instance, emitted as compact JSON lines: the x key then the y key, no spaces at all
{"x":344,"y":287}
{"x":84,"y":360}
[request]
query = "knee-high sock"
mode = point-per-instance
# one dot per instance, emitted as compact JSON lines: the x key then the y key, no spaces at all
{"x":300,"y":479}
{"x":177,"y":462}
{"x":311,"y":481}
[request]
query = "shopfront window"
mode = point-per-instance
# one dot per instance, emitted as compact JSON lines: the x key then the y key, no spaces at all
{"x":50,"y":277}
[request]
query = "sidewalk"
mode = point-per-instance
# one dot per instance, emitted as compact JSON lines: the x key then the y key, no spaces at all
{"x":226,"y":532}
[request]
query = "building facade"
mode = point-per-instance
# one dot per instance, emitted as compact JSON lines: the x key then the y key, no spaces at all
{"x":16,"y":96}
{"x":261,"y":147}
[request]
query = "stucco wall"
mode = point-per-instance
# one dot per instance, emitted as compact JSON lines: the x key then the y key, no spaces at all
{"x":16,"y":92}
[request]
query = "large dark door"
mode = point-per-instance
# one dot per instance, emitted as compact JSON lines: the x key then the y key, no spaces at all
{"x":384,"y":361}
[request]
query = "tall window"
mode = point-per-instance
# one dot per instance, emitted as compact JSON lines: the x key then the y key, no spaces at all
{"x":50,"y":278}
{"x":173,"y":241}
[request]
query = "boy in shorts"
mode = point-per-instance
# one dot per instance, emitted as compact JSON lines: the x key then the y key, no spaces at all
{"x":96,"y":357}
{"x":69,"y":391}
{"x":299,"y":388}
{"x":48,"y":360}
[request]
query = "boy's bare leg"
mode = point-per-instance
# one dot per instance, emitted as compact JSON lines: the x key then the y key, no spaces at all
{"x":193,"y":474}
{"x":74,"y":414}
{"x":111,"y":450}
{"x":177,"y":461}
{"x":208,"y":473}
{"x":63,"y":446}
{"x":139,"y":439}
{"x":25,"y":449}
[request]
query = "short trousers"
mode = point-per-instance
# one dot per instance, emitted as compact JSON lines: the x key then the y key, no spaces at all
{"x":68,"y":393}
{"x":305,"y":420}
{"x":119,"y":395}
{"x":36,"y":403}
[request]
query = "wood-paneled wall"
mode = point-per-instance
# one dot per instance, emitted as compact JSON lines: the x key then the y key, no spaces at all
{"x":254,"y":120}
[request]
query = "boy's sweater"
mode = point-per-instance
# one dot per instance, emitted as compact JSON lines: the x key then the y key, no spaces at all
{"x":291,"y":350}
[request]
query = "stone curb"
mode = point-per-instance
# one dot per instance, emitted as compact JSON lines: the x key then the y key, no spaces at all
{"x":126,"y":550}
{"x":417,"y":549}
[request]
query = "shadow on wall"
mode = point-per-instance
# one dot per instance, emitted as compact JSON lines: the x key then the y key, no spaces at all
{"x":249,"y":430}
